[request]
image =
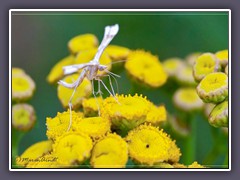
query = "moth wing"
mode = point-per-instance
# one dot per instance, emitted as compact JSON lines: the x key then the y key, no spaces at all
{"x":109,"y":33}
{"x":73,"y":68}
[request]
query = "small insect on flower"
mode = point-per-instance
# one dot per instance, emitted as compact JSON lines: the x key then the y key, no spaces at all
{"x":90,"y":69}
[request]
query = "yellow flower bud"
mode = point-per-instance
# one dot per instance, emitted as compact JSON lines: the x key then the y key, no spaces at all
{"x":219,"y":115}
{"x":148,"y":146}
{"x":110,"y":152}
{"x":72,"y":148}
{"x":82,"y":42}
{"x":145,"y":69}
{"x":23,"y":117}
{"x":213,"y":88}
{"x":223,"y":57}
{"x":56,"y":72}
{"x":84,"y":90}
{"x":205,"y":64}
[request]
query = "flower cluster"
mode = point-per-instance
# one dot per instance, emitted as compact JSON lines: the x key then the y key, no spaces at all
{"x":23,"y":87}
{"x":211,"y":71}
{"x":82,"y":49}
{"x":96,"y":139}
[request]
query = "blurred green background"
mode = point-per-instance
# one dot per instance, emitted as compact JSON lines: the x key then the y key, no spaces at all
{"x":39,"y":40}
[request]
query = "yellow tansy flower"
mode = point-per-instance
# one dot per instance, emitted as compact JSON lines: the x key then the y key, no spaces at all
{"x":178,"y":165}
{"x":148,"y":145}
{"x":223,"y":57}
{"x":184,"y":76}
{"x":213,"y":88}
{"x":187,"y":99}
{"x":205,"y":64}
{"x":46,"y":161}
{"x":56,"y":72}
{"x":88,"y":55}
{"x":34,"y":151}
{"x":91,"y":106}
{"x":117,"y":53}
{"x":172,"y":65}
{"x":95,"y":127}
{"x":22,"y":87}
{"x":23,"y":117}
{"x":156,"y":115}
{"x":58,"y":125}
{"x":110,"y":152}
{"x":219,"y":115}
{"x":82,"y":42}
{"x":17,"y":71}
{"x":72,"y":148}
{"x":84,"y":90}
{"x":196,"y":165}
{"x":146,"y":68}
{"x":125,"y":112}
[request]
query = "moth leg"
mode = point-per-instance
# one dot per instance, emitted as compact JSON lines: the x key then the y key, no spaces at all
{"x":95,"y":97}
{"x":108,"y":90}
{"x":70,"y":108}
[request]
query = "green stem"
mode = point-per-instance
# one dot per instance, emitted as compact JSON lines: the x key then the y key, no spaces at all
{"x":211,"y":157}
{"x":190,"y":146}
{"x":16,"y":138}
{"x":214,"y":153}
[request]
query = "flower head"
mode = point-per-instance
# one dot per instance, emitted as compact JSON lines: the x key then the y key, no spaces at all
{"x":72,"y":148}
{"x":56,"y":72}
{"x":146,"y":68}
{"x":22,"y":85}
{"x":156,"y":115}
{"x":23,"y":117}
{"x":178,"y":165}
{"x":148,"y":145}
{"x":58,"y":125}
{"x":213,"y":88}
{"x":172,"y":65}
{"x":127,"y":112}
{"x":82,"y":42}
{"x":196,"y":165}
{"x":110,"y":152}
{"x":187,"y":99}
{"x":223,"y":57}
{"x":84,"y":90}
{"x":35,"y":151}
{"x":117,"y":53}
{"x":95,"y":127}
{"x":17,"y":71}
{"x":91,"y":106}
{"x":205,"y":64}
{"x":88,"y":55}
{"x":219,"y":115}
